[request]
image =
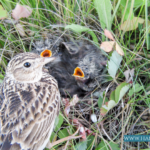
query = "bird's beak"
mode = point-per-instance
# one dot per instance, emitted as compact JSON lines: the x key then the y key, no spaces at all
{"x":78,"y":72}
{"x":47,"y":60}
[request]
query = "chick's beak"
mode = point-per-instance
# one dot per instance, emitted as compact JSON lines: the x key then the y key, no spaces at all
{"x":78,"y":72}
{"x":46,"y":53}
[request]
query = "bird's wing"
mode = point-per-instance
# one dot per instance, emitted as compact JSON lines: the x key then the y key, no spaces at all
{"x":28,"y":113}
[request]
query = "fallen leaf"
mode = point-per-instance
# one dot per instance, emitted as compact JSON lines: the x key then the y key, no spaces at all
{"x":109,"y":35}
{"x":83,"y":133}
{"x":107,"y":46}
{"x":129,"y":75}
{"x":65,"y":101}
{"x":82,"y":128}
{"x":73,"y":102}
{"x":21,"y":12}
{"x":67,"y":110}
{"x":20,"y":29}
{"x":119,"y":49}
{"x":3,"y":13}
{"x":129,"y":25}
{"x":30,"y":32}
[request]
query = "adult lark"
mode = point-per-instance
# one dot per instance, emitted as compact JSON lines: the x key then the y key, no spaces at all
{"x":29,"y":103}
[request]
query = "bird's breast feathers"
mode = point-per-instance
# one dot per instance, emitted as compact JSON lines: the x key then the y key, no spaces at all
{"x":28,"y":110}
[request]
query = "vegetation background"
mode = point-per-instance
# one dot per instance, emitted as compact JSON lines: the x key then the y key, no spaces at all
{"x":126,"y":110}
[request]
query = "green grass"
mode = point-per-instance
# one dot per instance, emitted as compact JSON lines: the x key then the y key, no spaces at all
{"x":127,"y":116}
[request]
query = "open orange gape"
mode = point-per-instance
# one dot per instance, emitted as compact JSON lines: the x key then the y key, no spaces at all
{"x":78,"y":73}
{"x":46,"y":53}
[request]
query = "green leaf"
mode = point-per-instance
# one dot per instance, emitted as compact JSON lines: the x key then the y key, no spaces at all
{"x":104,"y":146}
{"x":53,"y":136}
{"x":107,"y":106}
{"x":3,"y":13}
{"x":58,"y":122}
{"x":81,"y":146}
{"x":115,"y":97}
{"x":121,"y":90}
{"x":80,"y":29}
{"x":1,"y":77}
{"x":127,"y":14}
{"x":57,"y":125}
{"x":104,"y":8}
{"x":63,"y":133}
{"x":114,"y":63}
{"x":90,"y":140}
{"x":137,"y":3}
{"x":112,"y":95}
{"x":100,"y":102}
{"x":135,"y":88}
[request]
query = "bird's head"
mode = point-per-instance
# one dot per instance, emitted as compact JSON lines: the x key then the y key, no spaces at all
{"x":27,"y":67}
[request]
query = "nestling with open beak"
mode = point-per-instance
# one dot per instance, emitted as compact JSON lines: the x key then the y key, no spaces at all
{"x":90,"y":71}
{"x":30,"y":100}
{"x":80,"y":68}
{"x":49,"y":42}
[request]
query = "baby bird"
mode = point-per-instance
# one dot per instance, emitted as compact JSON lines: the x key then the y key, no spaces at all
{"x":78,"y":68}
{"x":29,"y":103}
{"x":49,"y":42}
{"x":91,"y":69}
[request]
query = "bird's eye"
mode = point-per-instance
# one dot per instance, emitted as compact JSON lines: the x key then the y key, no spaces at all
{"x":27,"y":64}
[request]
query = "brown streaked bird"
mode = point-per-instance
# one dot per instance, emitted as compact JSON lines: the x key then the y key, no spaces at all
{"x":29,"y":103}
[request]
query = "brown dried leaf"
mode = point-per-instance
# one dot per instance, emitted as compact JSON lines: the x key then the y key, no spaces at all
{"x":129,"y":75}
{"x":74,"y":100}
{"x":109,"y":35}
{"x":129,"y":25}
{"x":21,"y":12}
{"x":119,"y":49}
{"x":82,"y":131}
{"x":71,"y":103}
{"x":31,"y":33}
{"x":107,"y":46}
{"x":20,"y":29}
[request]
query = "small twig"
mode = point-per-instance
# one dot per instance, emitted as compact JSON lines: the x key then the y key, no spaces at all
{"x":105,"y":131}
{"x":50,"y":145}
{"x":122,"y":131}
{"x":66,"y":145}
